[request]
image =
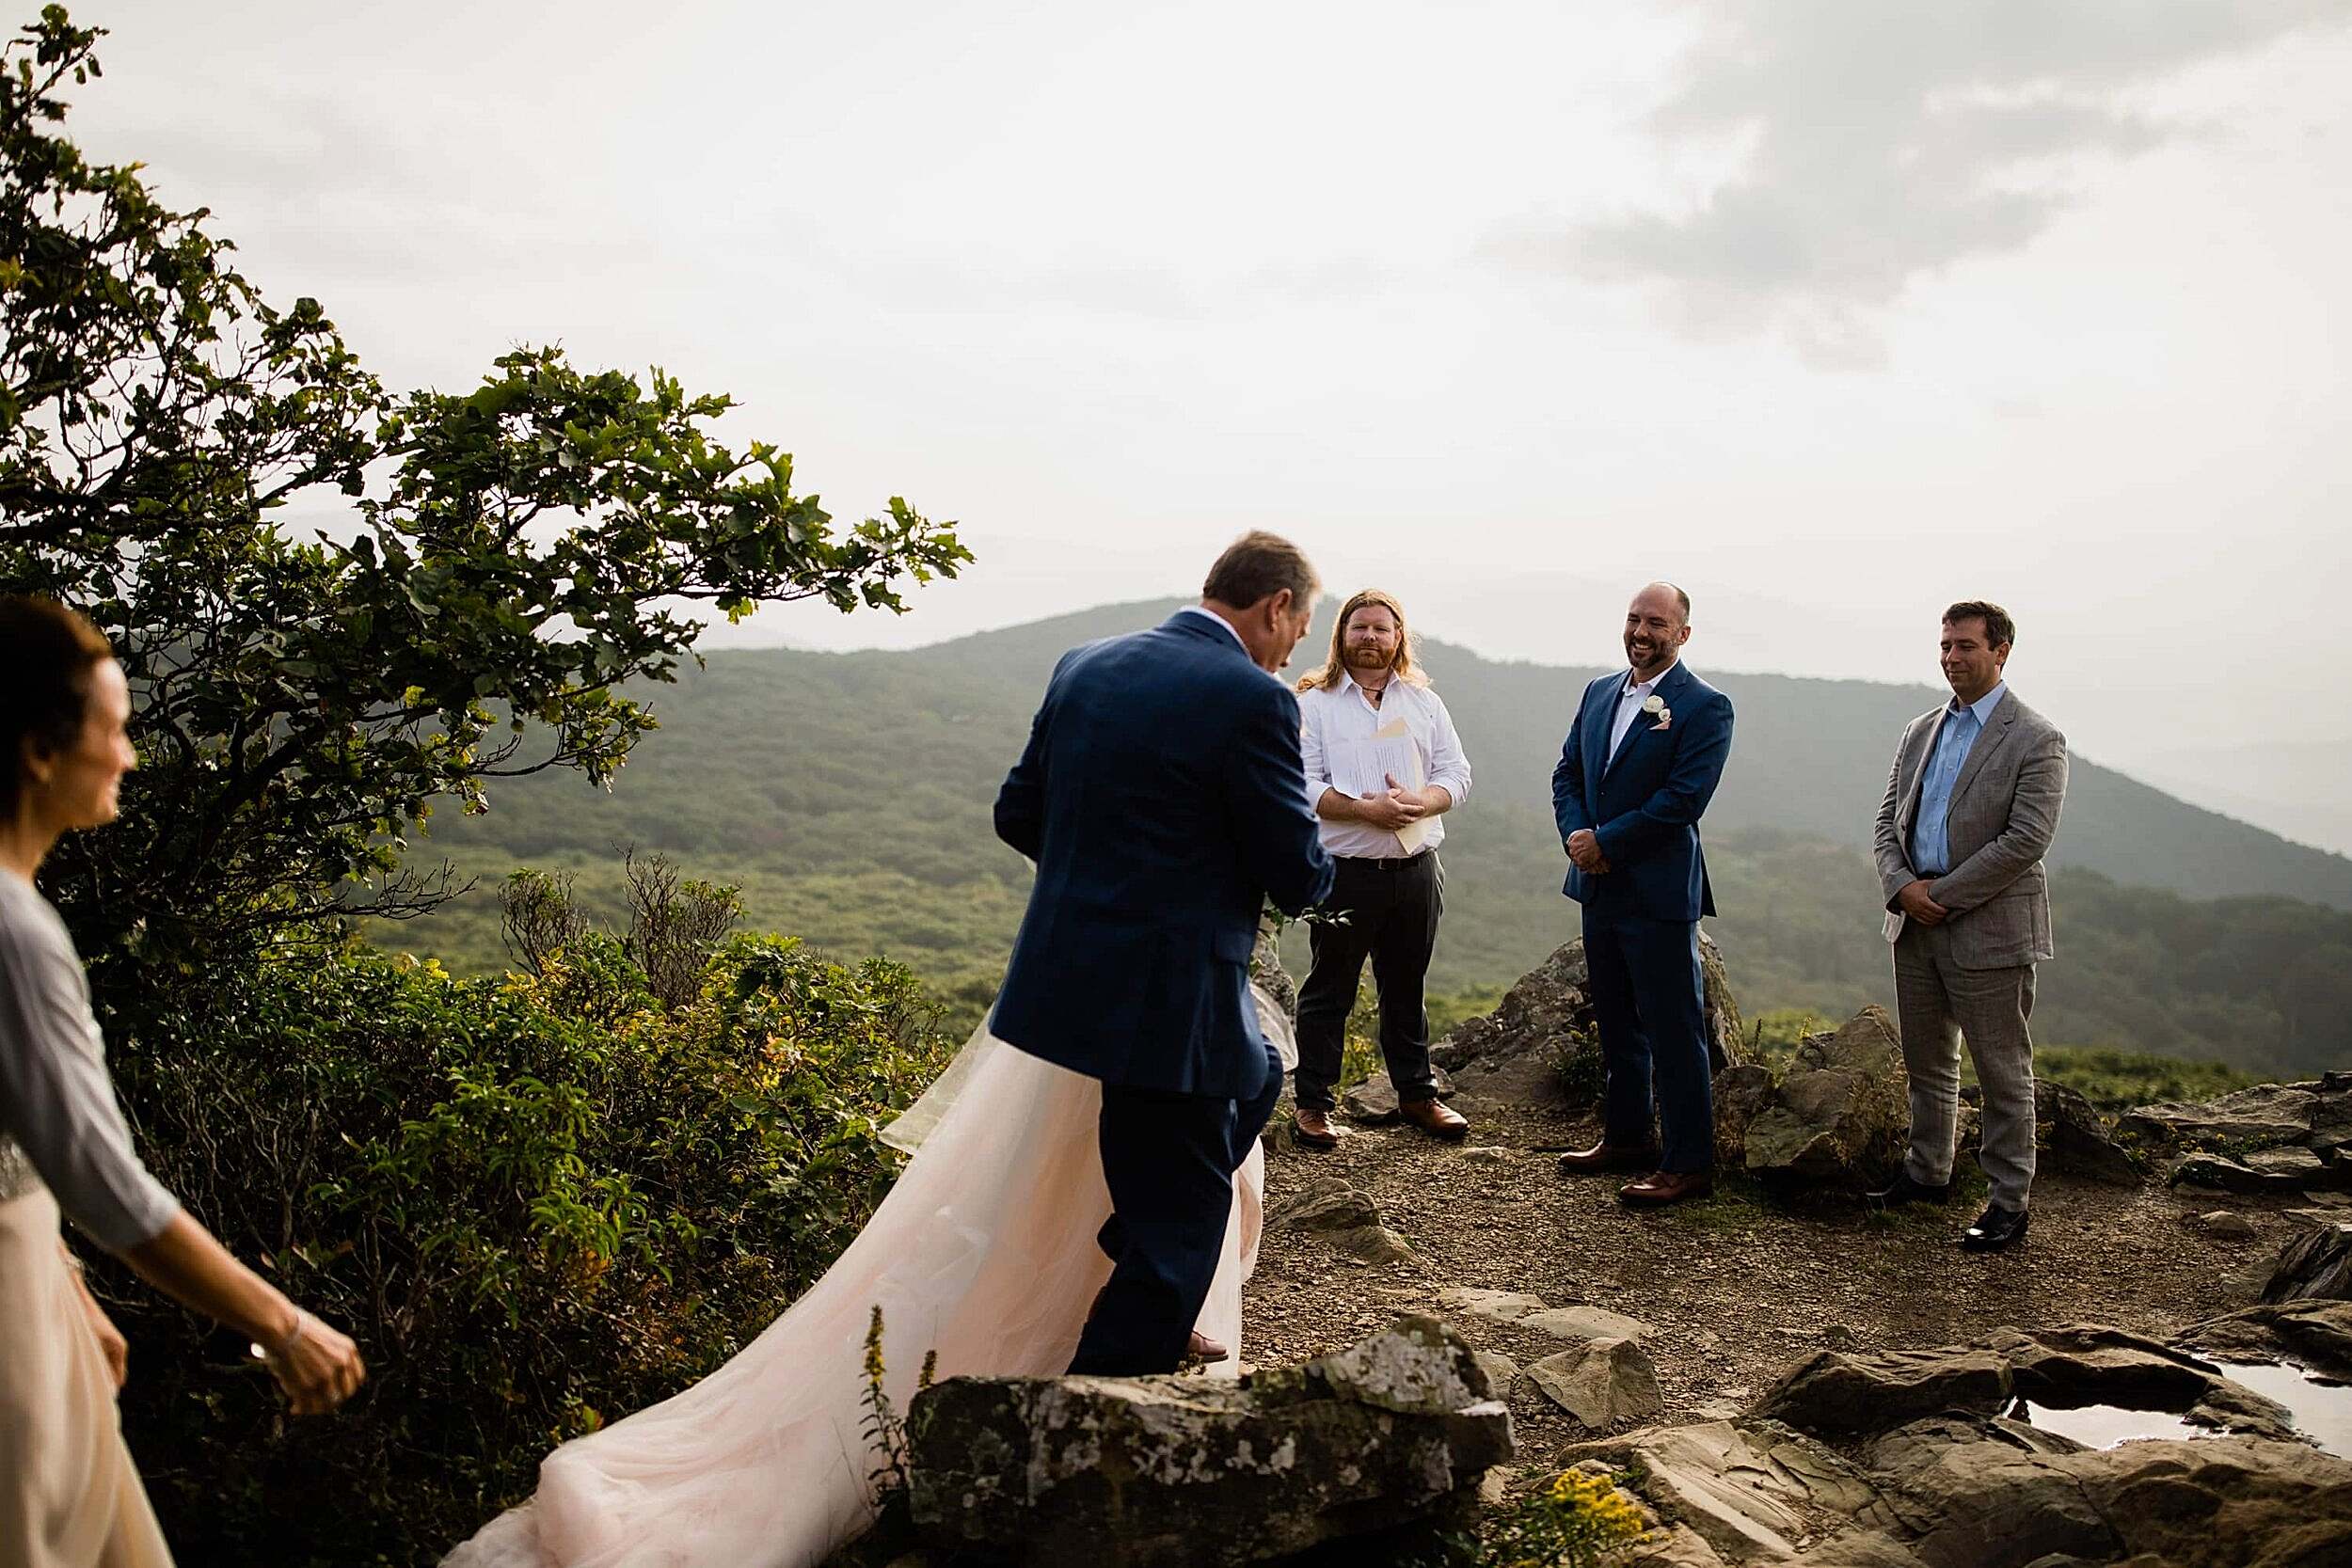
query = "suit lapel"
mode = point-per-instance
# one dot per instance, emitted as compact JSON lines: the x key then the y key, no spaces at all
{"x":1913,"y":791}
{"x":1601,"y":711}
{"x":1996,"y":732}
{"x":1668,"y":689}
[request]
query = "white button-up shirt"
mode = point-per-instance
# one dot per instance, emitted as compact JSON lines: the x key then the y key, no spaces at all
{"x":1629,"y":702}
{"x":1351,"y":746}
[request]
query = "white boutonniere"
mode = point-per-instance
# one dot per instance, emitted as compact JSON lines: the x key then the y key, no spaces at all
{"x":1656,"y":707}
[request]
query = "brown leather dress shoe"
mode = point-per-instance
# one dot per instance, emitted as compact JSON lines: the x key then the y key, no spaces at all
{"x":1202,"y":1348}
{"x":1313,"y":1130}
{"x":1607,"y":1156}
{"x":1660,"y":1188}
{"x":1436,"y":1117}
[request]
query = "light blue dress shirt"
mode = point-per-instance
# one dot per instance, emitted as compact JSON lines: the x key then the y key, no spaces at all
{"x":1931,"y":853}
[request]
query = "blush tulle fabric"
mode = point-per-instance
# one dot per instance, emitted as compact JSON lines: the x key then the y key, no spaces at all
{"x":984,"y":1251}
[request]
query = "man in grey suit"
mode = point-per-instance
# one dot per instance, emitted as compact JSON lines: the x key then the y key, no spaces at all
{"x":1971,"y":805}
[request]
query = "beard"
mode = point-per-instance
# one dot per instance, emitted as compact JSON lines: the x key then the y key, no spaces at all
{"x":1368,"y":659}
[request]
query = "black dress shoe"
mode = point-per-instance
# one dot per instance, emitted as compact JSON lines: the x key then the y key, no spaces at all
{"x":1908,"y":1189}
{"x":1997,"y":1232}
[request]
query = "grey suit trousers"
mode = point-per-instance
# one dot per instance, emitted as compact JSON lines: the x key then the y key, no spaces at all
{"x":1939,"y":1003}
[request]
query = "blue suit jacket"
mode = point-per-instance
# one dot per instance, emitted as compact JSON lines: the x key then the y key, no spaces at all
{"x":1644,"y":803}
{"x":1163,"y":798}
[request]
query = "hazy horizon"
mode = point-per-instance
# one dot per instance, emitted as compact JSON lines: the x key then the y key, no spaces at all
{"x":1832,"y":313}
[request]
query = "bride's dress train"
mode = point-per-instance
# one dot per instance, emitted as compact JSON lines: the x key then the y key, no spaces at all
{"x":984,"y":1251}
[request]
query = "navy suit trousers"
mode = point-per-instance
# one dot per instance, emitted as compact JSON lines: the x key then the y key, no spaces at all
{"x":1168,"y":1160}
{"x":1651,"y":1003}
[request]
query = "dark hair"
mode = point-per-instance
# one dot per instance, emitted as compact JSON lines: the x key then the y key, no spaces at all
{"x":48,"y":652}
{"x":1258,"y":565}
{"x":1999,"y":630}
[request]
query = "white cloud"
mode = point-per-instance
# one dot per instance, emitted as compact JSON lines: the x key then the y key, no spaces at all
{"x":1886,"y":143}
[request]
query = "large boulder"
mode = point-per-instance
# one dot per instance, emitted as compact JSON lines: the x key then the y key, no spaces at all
{"x":1166,"y":1472}
{"x":1841,"y":1113}
{"x":1542,"y":1040}
{"x":2316,"y":1266}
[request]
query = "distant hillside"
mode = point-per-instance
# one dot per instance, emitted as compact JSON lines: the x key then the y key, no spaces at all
{"x":849,"y":794}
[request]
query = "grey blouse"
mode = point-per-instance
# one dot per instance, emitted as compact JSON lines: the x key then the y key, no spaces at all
{"x":59,"y":1122}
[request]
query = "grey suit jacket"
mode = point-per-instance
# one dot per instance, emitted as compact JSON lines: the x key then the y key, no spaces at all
{"x":2004,"y":813}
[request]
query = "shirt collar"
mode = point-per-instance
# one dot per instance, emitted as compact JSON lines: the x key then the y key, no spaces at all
{"x":1982,"y":708}
{"x":1642,"y":689}
{"x":1219,"y":621}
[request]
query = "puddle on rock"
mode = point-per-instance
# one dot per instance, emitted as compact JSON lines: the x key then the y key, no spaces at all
{"x":2103,"y":1426}
{"x":2322,"y":1411}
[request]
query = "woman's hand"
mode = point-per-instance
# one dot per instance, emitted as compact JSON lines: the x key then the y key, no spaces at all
{"x":317,"y":1366}
{"x":110,"y":1339}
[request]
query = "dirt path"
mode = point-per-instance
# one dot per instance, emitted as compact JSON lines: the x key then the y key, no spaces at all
{"x":1738,"y":1286}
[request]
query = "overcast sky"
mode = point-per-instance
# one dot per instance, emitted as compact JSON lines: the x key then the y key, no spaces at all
{"x":1830,"y":312}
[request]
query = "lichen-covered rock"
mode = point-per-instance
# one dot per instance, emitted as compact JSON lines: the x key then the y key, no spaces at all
{"x":1188,"y":1472}
{"x":1841,"y":1113}
{"x":1541,"y":1039}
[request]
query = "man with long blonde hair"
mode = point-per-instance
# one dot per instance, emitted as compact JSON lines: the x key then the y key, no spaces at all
{"x":1383,"y":765}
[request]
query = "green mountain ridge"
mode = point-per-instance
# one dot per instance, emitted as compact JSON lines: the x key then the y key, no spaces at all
{"x":848,"y":795}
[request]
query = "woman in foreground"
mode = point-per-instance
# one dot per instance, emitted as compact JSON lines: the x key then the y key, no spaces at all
{"x":69,"y":1495}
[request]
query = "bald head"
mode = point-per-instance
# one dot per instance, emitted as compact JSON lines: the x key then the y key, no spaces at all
{"x":1657,"y":624}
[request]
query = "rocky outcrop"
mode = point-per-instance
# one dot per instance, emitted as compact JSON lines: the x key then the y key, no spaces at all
{"x":1346,"y":1219}
{"x":2287,"y":1170}
{"x":2316,"y":1266}
{"x":1166,"y":1472}
{"x":2315,"y":1115}
{"x":1919,"y":1460}
{"x":2316,"y":1333}
{"x":1541,"y":1041}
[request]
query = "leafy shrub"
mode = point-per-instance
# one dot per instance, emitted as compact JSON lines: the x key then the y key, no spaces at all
{"x":537,"y":1201}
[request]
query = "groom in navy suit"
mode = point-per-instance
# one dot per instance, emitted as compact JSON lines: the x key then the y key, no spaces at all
{"x":1642,"y":761}
{"x":1163,"y":801}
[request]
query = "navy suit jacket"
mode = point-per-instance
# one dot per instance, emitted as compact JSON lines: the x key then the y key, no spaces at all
{"x":1163,"y":798}
{"x":1643,"y":804}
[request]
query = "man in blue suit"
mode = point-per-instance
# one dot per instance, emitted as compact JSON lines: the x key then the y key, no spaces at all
{"x":1642,"y":761}
{"x":1163,"y":801}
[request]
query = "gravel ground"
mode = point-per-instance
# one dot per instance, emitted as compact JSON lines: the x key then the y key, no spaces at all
{"x":1740,"y":1286}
